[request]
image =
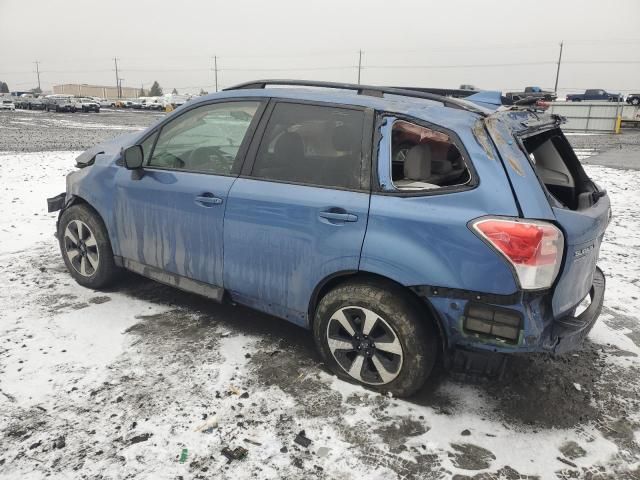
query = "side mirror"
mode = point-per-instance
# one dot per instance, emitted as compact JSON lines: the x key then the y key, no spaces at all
{"x":133,"y":157}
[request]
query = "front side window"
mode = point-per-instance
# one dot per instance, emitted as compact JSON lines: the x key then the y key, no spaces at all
{"x":147,"y":146}
{"x":424,"y":159}
{"x":312,"y":145}
{"x":205,"y":139}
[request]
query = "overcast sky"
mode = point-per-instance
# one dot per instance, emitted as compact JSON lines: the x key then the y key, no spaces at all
{"x":494,"y":44}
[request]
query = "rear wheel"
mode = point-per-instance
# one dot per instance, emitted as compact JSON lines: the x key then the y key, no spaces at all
{"x":377,"y":335}
{"x":85,"y":247}
{"x":635,"y":101}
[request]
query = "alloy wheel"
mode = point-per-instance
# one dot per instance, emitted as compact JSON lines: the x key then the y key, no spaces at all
{"x":364,"y":345}
{"x":81,"y":248}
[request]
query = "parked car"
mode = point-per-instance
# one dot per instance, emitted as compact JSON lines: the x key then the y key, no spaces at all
{"x":531,"y":93}
{"x":28,"y":101}
{"x":104,"y":102}
{"x":124,"y":104}
{"x":87,"y":105}
{"x":59,"y":103}
{"x":633,"y":99}
{"x":396,"y":231}
{"x":35,"y":103}
{"x":136,"y":104}
{"x":21,"y":102}
{"x":594,"y":94}
{"x":151,"y":103}
{"x":7,"y":104}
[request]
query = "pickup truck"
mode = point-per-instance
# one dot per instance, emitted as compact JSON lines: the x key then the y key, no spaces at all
{"x":594,"y":94}
{"x":531,"y":92}
{"x":633,"y":99}
{"x":87,"y":105}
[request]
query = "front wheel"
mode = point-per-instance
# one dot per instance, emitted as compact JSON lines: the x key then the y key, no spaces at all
{"x":635,"y":101}
{"x":377,"y":335}
{"x":85,"y":247}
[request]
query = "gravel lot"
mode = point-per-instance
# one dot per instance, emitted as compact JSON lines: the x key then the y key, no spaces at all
{"x":114,"y":385}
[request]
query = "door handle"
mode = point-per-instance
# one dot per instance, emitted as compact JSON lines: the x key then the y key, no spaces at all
{"x":338,"y":216}
{"x":208,"y":200}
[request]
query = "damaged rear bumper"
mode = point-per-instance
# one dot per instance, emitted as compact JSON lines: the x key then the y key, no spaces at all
{"x":517,"y":323}
{"x":569,"y":332}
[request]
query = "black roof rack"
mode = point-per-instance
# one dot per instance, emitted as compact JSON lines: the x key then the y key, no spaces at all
{"x":364,"y":90}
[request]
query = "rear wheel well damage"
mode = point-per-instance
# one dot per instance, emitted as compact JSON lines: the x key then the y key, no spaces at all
{"x":350,"y":276}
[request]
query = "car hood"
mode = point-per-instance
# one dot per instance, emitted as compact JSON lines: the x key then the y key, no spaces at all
{"x":111,"y":147}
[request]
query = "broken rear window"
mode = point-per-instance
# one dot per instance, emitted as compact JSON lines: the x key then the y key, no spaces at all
{"x":560,"y":170}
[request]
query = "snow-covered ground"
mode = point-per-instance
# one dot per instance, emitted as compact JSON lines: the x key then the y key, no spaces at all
{"x":114,"y":385}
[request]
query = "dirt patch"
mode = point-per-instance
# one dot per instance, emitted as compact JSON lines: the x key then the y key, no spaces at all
{"x":572,"y":450}
{"x":471,"y":457}
{"x":552,"y":382}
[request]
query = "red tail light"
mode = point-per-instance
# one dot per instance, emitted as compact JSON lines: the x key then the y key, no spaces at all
{"x":533,"y":248}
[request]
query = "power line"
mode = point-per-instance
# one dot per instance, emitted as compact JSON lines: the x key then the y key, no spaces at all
{"x":470,"y":65}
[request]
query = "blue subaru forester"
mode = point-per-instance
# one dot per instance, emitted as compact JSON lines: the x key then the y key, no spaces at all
{"x":396,"y":225}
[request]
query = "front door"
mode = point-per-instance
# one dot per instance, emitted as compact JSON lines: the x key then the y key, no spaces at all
{"x":170,"y":215}
{"x":299,"y":211}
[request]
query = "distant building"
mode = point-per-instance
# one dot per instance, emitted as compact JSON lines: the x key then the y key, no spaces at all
{"x":85,"y":90}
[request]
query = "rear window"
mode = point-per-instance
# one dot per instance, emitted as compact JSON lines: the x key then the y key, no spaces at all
{"x":560,"y":170}
{"x":424,"y":159}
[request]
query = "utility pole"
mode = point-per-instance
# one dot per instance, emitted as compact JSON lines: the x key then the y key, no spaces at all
{"x":359,"y":64}
{"x":215,"y":70}
{"x":555,"y":89}
{"x":115,"y":61}
{"x":38,"y":72}
{"x":120,"y":88}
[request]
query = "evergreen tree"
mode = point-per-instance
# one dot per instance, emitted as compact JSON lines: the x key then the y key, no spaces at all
{"x":175,"y":92}
{"x":142,"y":93}
{"x":4,"y":88}
{"x":156,"y":90}
{"x":36,"y":90}
{"x":203,"y":92}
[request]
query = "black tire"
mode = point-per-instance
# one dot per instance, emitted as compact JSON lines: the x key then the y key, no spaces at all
{"x":635,"y":101}
{"x":97,"y":252}
{"x":403,"y":320}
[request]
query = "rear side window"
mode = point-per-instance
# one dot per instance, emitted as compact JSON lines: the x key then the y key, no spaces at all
{"x":424,"y":159}
{"x":312,"y":145}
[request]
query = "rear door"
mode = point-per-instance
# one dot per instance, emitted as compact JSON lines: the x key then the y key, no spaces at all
{"x":550,"y":184}
{"x":170,"y":215}
{"x":298,"y":213}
